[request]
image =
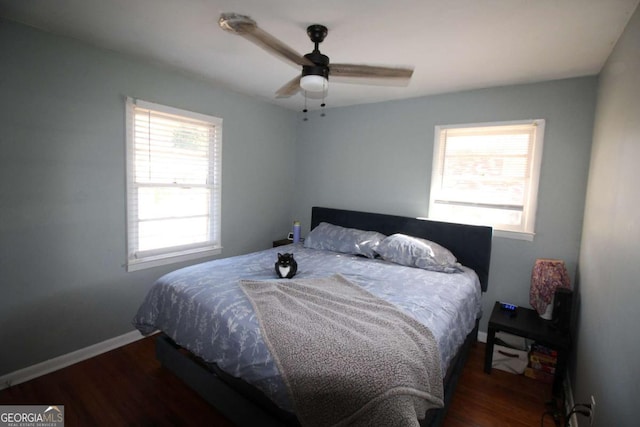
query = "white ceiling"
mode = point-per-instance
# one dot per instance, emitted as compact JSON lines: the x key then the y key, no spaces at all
{"x":452,"y":44}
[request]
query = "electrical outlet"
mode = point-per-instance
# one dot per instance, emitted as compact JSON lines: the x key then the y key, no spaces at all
{"x":593,"y":410}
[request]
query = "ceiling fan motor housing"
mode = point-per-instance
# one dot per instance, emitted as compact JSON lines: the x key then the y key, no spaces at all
{"x":317,"y":33}
{"x":321,"y":67}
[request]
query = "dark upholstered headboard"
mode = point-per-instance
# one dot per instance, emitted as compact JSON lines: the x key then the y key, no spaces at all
{"x":471,"y":244}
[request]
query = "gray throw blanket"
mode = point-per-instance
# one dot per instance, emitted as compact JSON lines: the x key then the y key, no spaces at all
{"x":347,"y":356}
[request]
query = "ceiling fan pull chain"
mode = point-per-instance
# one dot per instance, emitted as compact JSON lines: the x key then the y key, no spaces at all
{"x":305,"y":107}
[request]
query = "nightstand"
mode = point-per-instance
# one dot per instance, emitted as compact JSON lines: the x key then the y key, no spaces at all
{"x":526,"y":323}
{"x":281,"y":242}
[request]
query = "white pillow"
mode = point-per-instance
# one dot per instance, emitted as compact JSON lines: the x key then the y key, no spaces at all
{"x":416,"y":252}
{"x":344,"y":240}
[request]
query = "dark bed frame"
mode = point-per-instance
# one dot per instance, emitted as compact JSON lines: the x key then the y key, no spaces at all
{"x":246,"y":406}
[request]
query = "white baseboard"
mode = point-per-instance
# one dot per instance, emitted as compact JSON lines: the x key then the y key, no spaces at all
{"x":482,"y":336}
{"x":68,"y":359}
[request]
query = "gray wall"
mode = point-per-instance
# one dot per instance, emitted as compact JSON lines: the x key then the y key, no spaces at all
{"x":608,"y":344}
{"x":62,"y":187}
{"x":378,"y":158}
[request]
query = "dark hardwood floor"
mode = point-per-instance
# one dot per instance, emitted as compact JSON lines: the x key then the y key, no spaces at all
{"x":499,"y":399}
{"x":128,"y":387}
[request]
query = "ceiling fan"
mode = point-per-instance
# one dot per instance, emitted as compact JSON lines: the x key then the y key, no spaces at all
{"x":316,"y":67}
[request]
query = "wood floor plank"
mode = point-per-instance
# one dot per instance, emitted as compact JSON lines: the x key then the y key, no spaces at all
{"x":129,"y":387}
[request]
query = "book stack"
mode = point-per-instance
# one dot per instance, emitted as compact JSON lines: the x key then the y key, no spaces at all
{"x":542,"y":363}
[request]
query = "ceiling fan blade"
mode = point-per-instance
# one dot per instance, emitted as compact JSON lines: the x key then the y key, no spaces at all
{"x":246,"y":27}
{"x":354,"y":70}
{"x":289,"y":89}
{"x":270,"y":43}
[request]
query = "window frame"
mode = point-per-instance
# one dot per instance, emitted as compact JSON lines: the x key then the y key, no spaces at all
{"x":139,"y":260}
{"x":526,"y":230}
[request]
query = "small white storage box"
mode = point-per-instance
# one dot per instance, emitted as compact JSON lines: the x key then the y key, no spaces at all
{"x":512,"y":357}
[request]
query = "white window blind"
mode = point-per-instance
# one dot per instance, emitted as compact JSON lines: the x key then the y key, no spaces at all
{"x":487,"y":174}
{"x":173,"y":184}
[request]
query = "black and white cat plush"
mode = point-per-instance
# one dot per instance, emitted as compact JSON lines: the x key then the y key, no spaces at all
{"x":286,"y":266}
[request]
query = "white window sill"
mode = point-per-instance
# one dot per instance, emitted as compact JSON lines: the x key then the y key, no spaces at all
{"x":158,"y":260}
{"x":517,"y":235}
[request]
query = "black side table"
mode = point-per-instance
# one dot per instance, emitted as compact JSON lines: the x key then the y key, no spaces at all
{"x":526,"y":323}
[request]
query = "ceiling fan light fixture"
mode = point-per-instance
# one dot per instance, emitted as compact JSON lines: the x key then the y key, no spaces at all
{"x":314,"y":83}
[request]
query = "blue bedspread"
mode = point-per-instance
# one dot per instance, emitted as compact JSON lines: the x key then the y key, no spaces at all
{"x":203,"y":309}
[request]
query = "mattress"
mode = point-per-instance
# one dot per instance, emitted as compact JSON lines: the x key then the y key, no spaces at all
{"x":203,"y":309}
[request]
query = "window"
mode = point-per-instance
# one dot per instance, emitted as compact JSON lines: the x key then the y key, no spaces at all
{"x":488,"y":174}
{"x":173,"y":184}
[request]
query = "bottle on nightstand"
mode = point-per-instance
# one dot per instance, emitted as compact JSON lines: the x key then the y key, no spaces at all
{"x":296,"y":231}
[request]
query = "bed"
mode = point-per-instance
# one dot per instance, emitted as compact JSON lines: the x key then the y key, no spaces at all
{"x":210,"y":336}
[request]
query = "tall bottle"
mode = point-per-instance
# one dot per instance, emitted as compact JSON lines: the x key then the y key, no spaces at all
{"x":296,"y":231}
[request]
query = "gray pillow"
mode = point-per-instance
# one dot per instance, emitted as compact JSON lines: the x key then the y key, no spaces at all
{"x":344,"y":240}
{"x":415,"y":252}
